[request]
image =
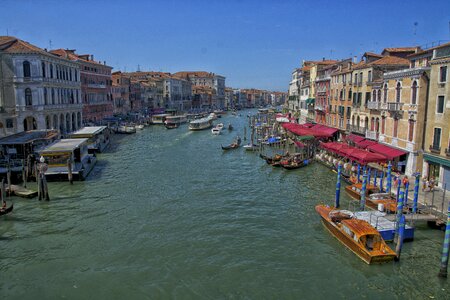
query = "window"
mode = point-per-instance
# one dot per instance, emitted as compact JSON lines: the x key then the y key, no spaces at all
{"x":385,"y":93}
{"x":367,"y":98}
{"x":53,"y":96}
{"x":440,"y":105}
{"x":374,"y":95}
{"x":51,"y":70}
{"x":414,"y":92}
{"x":443,"y":74}
{"x":9,"y":123}
{"x":383,"y":124}
{"x":28,"y":97}
{"x":437,"y":138}
{"x":398,"y":92}
{"x":45,"y":96}
{"x":379,"y":96}
{"x":395,"y":131}
{"x":350,"y":94}
{"x":26,"y":69}
{"x":43,"y":69}
{"x":369,"y":76}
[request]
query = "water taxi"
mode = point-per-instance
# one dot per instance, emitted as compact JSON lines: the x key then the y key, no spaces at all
{"x":98,"y":137}
{"x":175,"y":121}
{"x":357,"y":235}
{"x":354,"y":190}
{"x":201,"y":124}
{"x":126,"y":129}
{"x":216,"y":130}
{"x":159,"y":119}
{"x":57,"y":156}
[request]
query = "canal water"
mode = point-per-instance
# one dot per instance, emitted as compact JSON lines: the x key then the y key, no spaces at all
{"x":168,"y":214}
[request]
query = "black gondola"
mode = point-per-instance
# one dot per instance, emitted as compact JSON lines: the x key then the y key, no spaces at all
{"x":171,"y":125}
{"x":5,"y":211}
{"x":233,"y":145}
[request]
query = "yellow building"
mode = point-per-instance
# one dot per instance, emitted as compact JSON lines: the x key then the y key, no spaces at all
{"x":437,"y":134}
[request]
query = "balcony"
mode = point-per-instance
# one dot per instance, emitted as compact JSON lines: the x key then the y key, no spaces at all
{"x":435,"y":149}
{"x":394,"y":106}
{"x":412,"y":108}
{"x":356,"y":129}
{"x":374,"y":105}
{"x":373,"y":135}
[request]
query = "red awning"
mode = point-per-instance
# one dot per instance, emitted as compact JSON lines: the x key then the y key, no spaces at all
{"x":355,"y":138}
{"x":299,"y":129}
{"x":309,"y":125}
{"x":353,"y":153}
{"x":389,"y":152}
{"x":365,"y":143}
{"x":325,"y":129}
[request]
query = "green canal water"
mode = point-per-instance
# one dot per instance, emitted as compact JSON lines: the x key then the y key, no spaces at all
{"x":167,"y":214}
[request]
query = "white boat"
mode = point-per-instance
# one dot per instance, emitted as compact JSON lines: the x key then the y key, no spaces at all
{"x":200,"y":124}
{"x":251,"y":147}
{"x":216,"y":130}
{"x":139,"y":127}
{"x":159,"y":119}
{"x":126,"y":129}
{"x":220,"y":126}
{"x":213,"y":116}
{"x":175,"y":121}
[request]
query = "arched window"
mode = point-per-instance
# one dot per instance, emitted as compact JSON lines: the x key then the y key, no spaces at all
{"x":28,"y":97}
{"x":45,"y":96}
{"x":385,"y":94}
{"x":71,"y":97}
{"x":26,"y":69}
{"x":70,"y":74}
{"x":398,"y":92}
{"x":43,"y":70}
{"x":379,"y":96}
{"x":76,"y":75}
{"x":414,"y":93}
{"x":374,"y":95}
{"x":51,"y":70}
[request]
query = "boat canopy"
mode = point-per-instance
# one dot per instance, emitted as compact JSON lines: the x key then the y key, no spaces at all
{"x":64,"y":145}
{"x":88,"y":131}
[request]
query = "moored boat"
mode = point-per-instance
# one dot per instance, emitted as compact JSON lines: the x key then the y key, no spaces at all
{"x":354,"y":190}
{"x":126,"y":129}
{"x":4,"y":211}
{"x":171,"y":126}
{"x":175,"y":120}
{"x":251,"y":147}
{"x":216,"y":130}
{"x":357,"y":235}
{"x":159,"y":118}
{"x":234,"y":145}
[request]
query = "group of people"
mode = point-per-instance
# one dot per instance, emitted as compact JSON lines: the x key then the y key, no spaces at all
{"x":430,"y":184}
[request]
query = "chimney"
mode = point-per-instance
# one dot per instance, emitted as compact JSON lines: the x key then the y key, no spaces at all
{"x":323,"y":58}
{"x":92,"y":57}
{"x":104,"y":62}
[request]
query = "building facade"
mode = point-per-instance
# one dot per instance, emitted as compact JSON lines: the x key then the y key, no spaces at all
{"x":38,"y":90}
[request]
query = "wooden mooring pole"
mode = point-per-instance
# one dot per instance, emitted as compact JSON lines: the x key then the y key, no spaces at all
{"x":69,"y":171}
{"x":445,"y":249}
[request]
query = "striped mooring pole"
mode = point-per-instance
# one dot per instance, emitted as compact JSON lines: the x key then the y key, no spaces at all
{"x":416,"y":192}
{"x":359,"y":173}
{"x":389,"y":179}
{"x":444,"y":258}
{"x":401,"y":234}
{"x":381,"y":181}
{"x":338,"y":186}
{"x":375,"y":178}
{"x":399,"y":185}
{"x":406,"y":193}
{"x":363,"y":192}
{"x":399,"y":210}
{"x":369,"y":171}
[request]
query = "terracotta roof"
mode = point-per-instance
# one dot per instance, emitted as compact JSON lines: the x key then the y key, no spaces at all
{"x":70,"y":54}
{"x":10,"y":44}
{"x":390,"y":60}
{"x":306,"y":68}
{"x":401,"y":49}
{"x":186,"y":74}
{"x":373,"y":54}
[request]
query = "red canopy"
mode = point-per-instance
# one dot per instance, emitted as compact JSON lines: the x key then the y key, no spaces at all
{"x":355,"y":138}
{"x":299,"y":129}
{"x":365,"y":143}
{"x":325,"y":129}
{"x":353,"y":153}
{"x":389,"y":152}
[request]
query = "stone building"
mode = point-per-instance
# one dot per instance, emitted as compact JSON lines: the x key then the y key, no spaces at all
{"x":121,"y":93}
{"x":437,"y":134}
{"x":96,"y":82}
{"x":38,"y":90}
{"x":293,"y":103}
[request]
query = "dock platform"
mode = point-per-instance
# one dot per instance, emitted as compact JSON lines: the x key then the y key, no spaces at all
{"x":385,"y":226}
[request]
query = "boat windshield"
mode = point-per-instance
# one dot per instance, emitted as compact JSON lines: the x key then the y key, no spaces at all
{"x":371,"y":241}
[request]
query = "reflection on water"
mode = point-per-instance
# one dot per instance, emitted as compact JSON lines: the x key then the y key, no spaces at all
{"x":167,"y":213}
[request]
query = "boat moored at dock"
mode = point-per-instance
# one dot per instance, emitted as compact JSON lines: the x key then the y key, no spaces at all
{"x":98,"y":137}
{"x":58,"y":155}
{"x":159,"y":119}
{"x":357,"y":235}
{"x":175,"y":121}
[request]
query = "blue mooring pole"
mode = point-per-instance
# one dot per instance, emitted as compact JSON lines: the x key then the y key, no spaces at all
{"x":401,"y":234}
{"x":338,"y":187}
{"x":416,"y":193}
{"x":363,"y":192}
{"x":406,"y":193}
{"x":375,"y":178}
{"x":389,"y":179}
{"x":369,"y":171}
{"x":359,"y":173}
{"x":444,"y":258}
{"x":399,"y":185}
{"x":381,"y":181}
{"x":399,"y":210}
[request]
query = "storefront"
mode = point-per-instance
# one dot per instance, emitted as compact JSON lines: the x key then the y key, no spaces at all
{"x":438,"y":168}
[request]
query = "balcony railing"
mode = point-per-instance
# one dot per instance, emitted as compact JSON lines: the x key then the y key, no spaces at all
{"x":435,"y":149}
{"x":357,"y":129}
{"x":373,"y":105}
{"x":96,"y":85}
{"x":373,"y":135}
{"x":394,"y":106}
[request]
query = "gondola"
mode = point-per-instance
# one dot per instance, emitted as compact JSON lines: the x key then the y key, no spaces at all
{"x":292,"y":165}
{"x":6,"y":210}
{"x":233,"y":145}
{"x":171,"y":125}
{"x":230,"y":127}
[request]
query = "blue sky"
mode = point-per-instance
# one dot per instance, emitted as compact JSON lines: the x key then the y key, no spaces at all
{"x":255,"y":44}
